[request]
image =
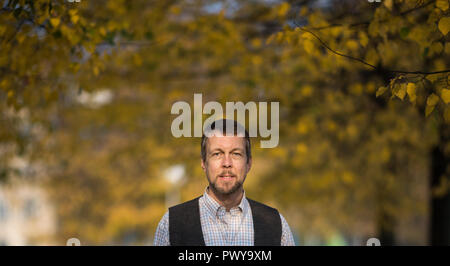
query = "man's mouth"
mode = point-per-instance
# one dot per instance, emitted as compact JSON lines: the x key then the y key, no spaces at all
{"x":226,"y":177}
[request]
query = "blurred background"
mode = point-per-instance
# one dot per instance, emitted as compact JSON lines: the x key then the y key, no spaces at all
{"x":86,"y":90}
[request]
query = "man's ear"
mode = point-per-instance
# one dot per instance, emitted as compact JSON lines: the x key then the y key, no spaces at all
{"x":249,"y":165}
{"x":203,"y":165}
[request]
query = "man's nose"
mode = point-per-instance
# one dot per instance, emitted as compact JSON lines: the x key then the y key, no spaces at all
{"x":226,"y":161}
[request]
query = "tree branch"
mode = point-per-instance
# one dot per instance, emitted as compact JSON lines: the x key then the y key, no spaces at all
{"x":366,"y":63}
{"x":335,"y":52}
{"x":368,"y":22}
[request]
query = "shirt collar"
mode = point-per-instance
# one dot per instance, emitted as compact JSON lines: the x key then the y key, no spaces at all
{"x":213,"y":206}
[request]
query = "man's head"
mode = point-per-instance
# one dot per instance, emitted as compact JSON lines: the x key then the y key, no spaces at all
{"x":226,"y":156}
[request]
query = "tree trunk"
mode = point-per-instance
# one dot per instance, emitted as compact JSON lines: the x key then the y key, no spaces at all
{"x":385,"y":228}
{"x":440,"y":204}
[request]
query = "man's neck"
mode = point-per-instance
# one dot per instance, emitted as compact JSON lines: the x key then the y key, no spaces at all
{"x":228,"y":201}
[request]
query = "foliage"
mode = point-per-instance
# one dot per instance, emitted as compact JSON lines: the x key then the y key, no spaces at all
{"x":362,"y":96}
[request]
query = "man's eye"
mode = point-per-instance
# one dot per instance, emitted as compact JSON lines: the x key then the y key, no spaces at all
{"x":237,"y":154}
{"x":215,"y":154}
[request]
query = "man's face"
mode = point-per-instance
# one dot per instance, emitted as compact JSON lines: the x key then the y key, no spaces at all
{"x":226,"y":163}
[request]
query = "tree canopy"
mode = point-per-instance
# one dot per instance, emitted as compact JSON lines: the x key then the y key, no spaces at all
{"x":86,"y":90}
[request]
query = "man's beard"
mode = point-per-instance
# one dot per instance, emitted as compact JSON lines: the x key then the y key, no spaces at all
{"x":220,"y":190}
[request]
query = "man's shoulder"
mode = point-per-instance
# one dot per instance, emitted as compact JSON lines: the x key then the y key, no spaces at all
{"x":186,"y":204}
{"x":257,"y":204}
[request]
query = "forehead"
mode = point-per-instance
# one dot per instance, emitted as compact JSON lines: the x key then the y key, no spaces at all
{"x":219,"y":141}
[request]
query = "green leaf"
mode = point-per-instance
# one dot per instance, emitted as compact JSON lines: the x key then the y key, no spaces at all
{"x":425,"y":51}
{"x":404,"y":32}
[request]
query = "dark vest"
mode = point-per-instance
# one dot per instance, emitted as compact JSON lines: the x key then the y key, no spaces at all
{"x":185,"y":227}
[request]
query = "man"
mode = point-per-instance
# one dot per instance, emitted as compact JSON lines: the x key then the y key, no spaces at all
{"x":223,"y":216}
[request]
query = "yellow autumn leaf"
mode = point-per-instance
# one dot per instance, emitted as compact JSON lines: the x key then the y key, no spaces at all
{"x":302,"y":128}
{"x":283,"y":9}
{"x":411,"y":90}
{"x":331,"y":126}
{"x":256,"y":60}
{"x":54,"y":22}
{"x":289,"y":38}
{"x":442,"y":4}
{"x":429,"y":109}
{"x":309,"y":46}
{"x":348,"y":177}
{"x":447,"y":114}
{"x":75,"y":19}
{"x":356,"y":88}
{"x":363,"y":39}
{"x":175,"y":10}
{"x":432,"y":100}
{"x":306,"y":90}
{"x":372,"y":56}
{"x":432,"y":77}
{"x":441,"y":189}
{"x":401,"y":92}
{"x":102,"y":31}
{"x":388,"y":4}
{"x":74,"y":16}
{"x":370,"y":87}
{"x":437,"y":47}
{"x":4,"y":84}
{"x":308,"y":36}
{"x":444,"y":25}
{"x":381,"y":90}
{"x":270,"y":39}
{"x":137,"y":60}
{"x":279,"y":37}
{"x":96,"y":70}
{"x":256,"y":43}
{"x":447,"y":48}
{"x":445,"y":94}
{"x":352,"y":45}
{"x":21,"y":37}
{"x":303,"y":11}
{"x":301,"y":148}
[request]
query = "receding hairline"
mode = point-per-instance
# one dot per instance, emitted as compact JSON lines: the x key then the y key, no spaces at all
{"x":222,"y":128}
{"x":220,"y":134}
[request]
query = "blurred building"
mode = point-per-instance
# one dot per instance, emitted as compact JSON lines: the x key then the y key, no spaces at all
{"x":26,"y":215}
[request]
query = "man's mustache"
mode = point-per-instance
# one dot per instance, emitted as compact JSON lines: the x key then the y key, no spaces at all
{"x":227,"y":173}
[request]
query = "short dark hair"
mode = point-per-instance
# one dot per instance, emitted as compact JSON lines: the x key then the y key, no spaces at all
{"x":222,"y":125}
